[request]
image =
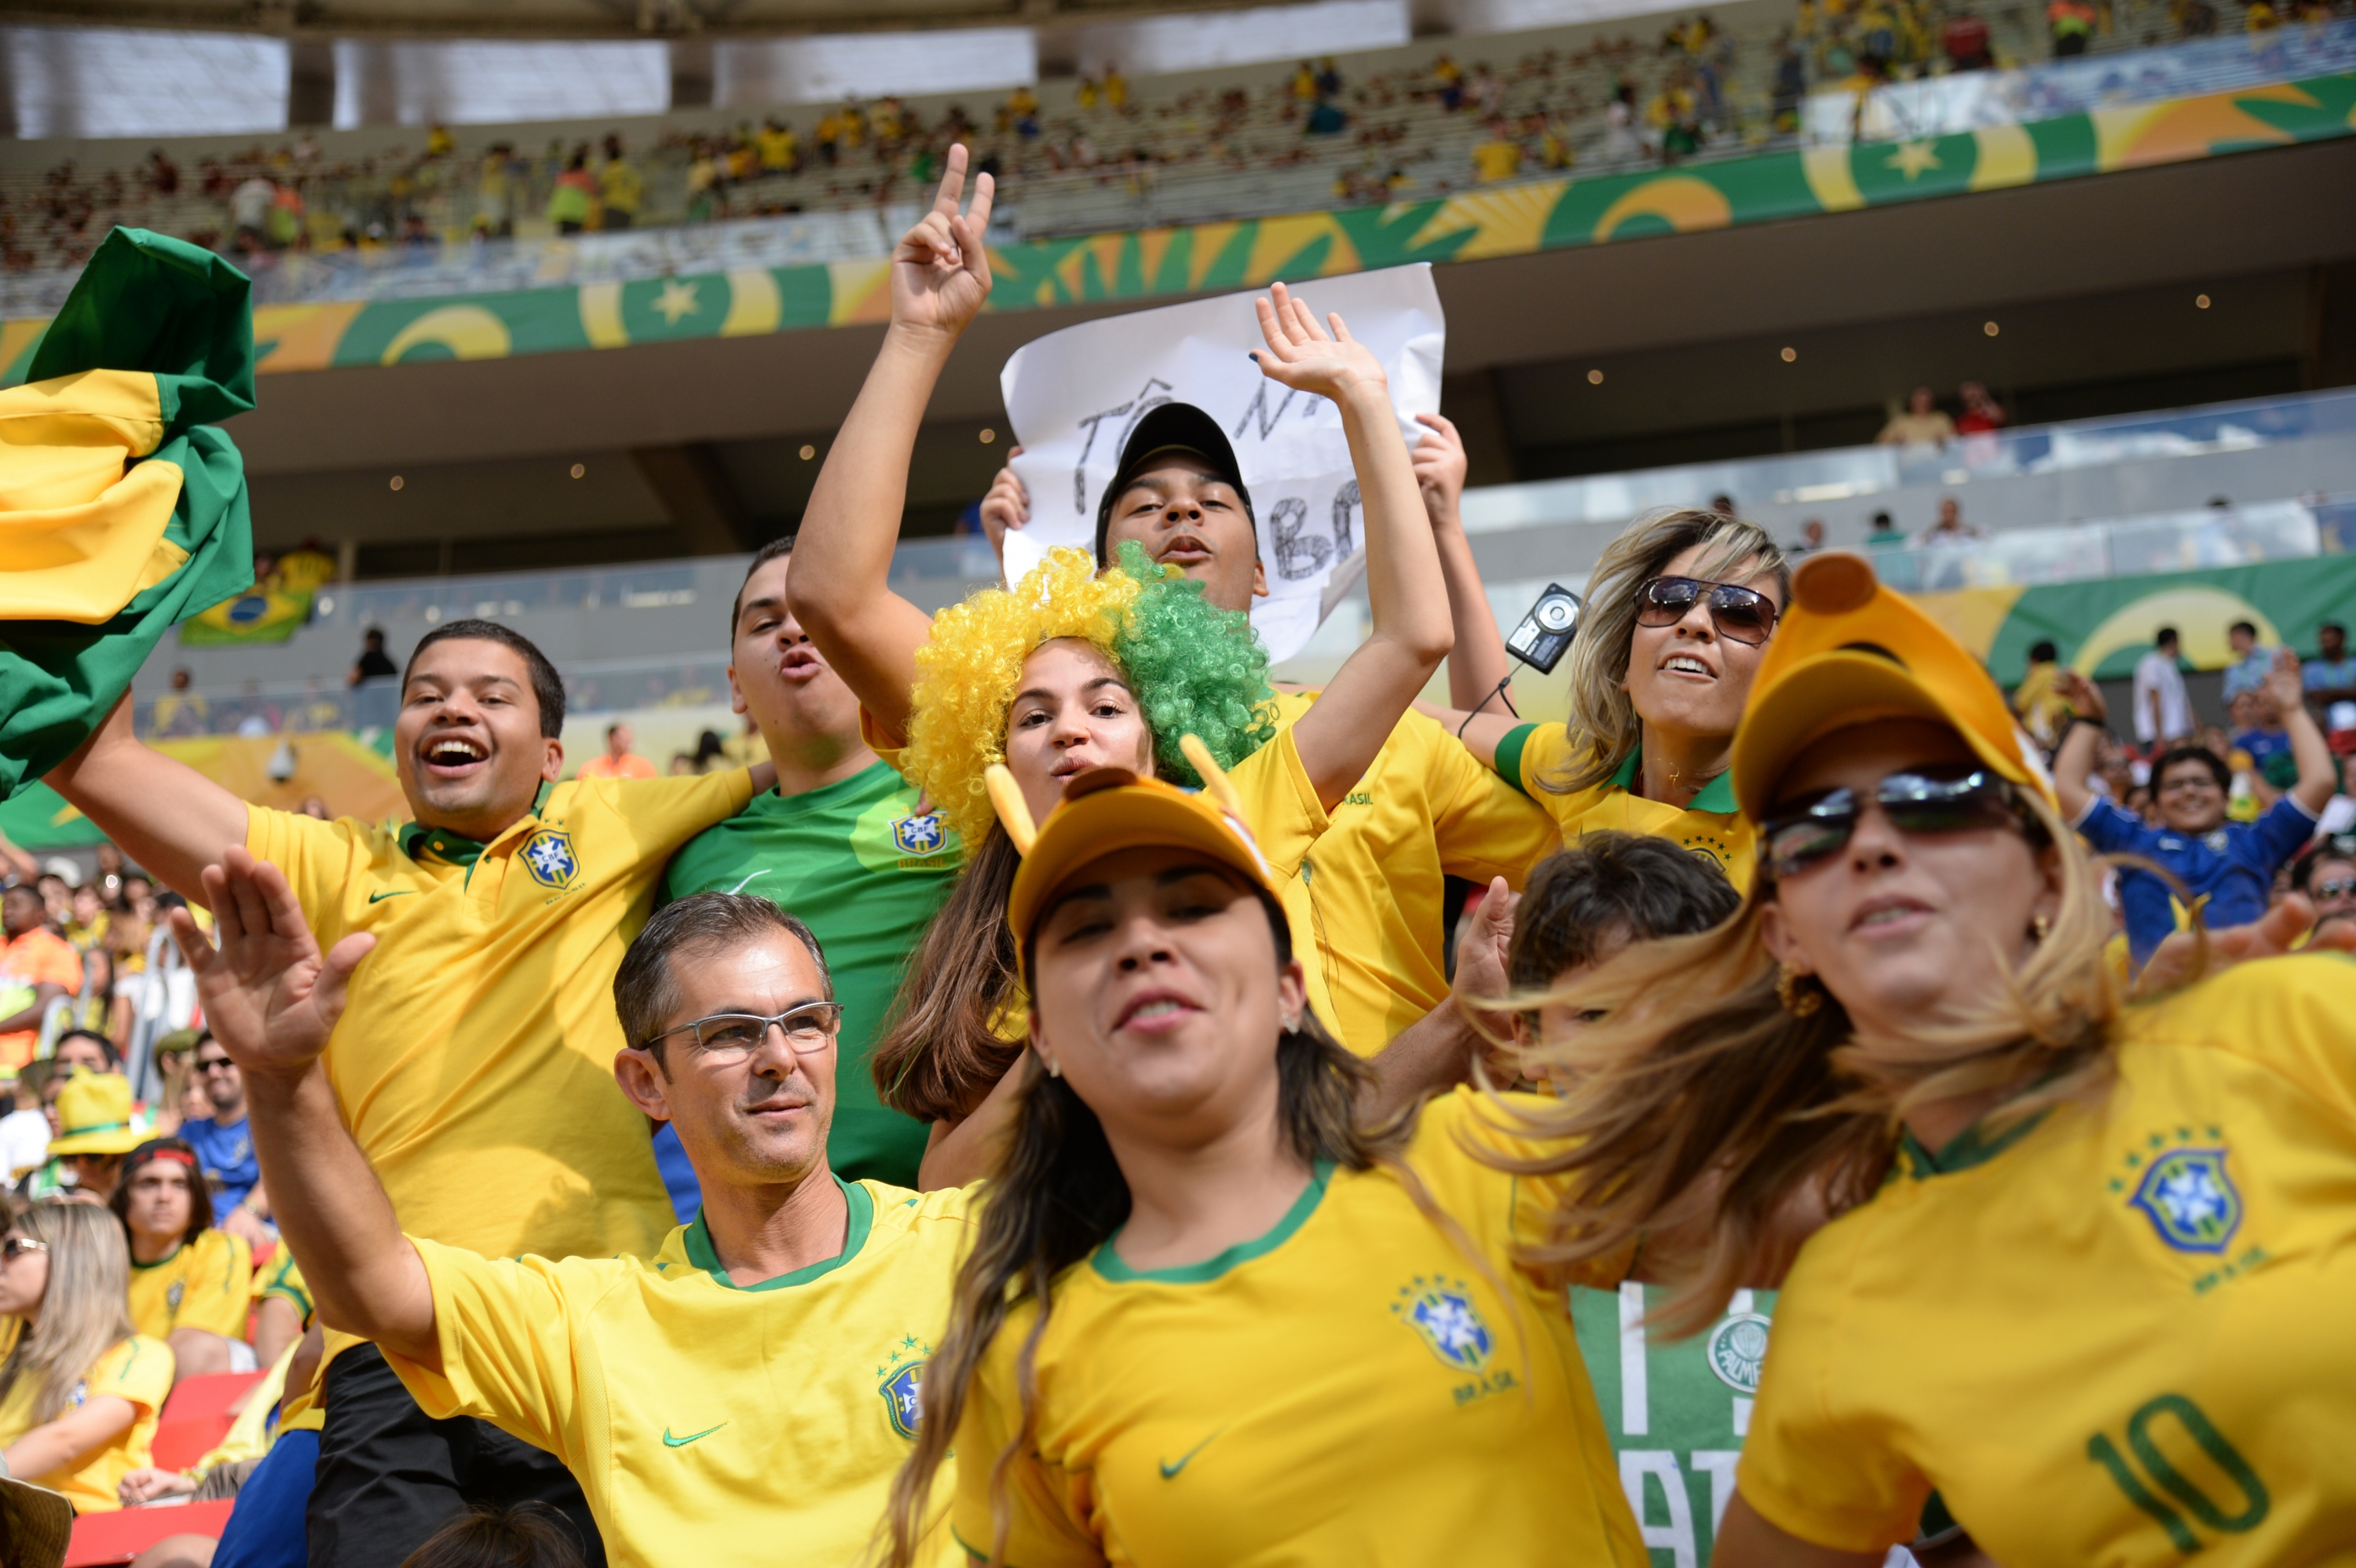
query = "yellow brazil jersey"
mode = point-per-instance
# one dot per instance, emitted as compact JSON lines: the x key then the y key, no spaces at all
{"x":1713,"y":825}
{"x":281,"y":1278}
{"x":1372,"y":887}
{"x":2118,"y":1335}
{"x":205,"y":1283}
{"x":708,"y":1423}
{"x":475,"y":1064}
{"x":1354,"y":1387}
{"x":137,"y":1369}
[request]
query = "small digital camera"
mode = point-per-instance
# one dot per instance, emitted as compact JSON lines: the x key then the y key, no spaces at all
{"x":1545,"y":633}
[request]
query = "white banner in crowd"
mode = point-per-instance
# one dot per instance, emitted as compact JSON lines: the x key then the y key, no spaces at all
{"x":1072,"y":397}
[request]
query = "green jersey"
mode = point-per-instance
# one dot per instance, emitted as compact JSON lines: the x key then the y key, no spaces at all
{"x":1677,"y":1411}
{"x":856,"y":864}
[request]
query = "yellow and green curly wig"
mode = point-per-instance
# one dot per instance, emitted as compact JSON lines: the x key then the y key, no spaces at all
{"x":1194,"y":668}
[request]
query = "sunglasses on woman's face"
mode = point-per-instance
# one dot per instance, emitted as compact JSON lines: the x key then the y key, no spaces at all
{"x":16,"y":1247}
{"x":1740,"y":614}
{"x":2338,"y":888}
{"x":1917,"y":801}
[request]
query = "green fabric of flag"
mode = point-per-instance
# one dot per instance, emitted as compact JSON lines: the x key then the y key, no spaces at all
{"x":144,"y":303}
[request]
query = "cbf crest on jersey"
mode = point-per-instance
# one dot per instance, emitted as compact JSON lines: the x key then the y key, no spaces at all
{"x":921,"y":835}
{"x":548,"y":856}
{"x":2190,"y":1200}
{"x":901,"y":1381}
{"x":1442,"y":1315}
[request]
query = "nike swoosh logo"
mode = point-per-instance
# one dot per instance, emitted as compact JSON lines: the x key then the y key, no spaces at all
{"x":377,"y":898}
{"x":1169,"y":1470}
{"x":671,"y":1442}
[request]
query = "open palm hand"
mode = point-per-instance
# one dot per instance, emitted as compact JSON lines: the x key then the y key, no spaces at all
{"x":269,"y":997}
{"x":940,"y":270}
{"x":1303,"y":354}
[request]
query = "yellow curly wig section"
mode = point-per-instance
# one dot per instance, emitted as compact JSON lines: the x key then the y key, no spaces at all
{"x":970,"y":670}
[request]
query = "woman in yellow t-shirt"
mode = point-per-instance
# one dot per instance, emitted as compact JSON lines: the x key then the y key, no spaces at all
{"x":1073,"y":670}
{"x":2088,"y":1271}
{"x":1679,"y":612}
{"x":80,"y":1392}
{"x":1211,"y":1316}
{"x":191,"y":1283}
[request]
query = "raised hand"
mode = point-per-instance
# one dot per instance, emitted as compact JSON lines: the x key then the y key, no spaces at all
{"x":1439,"y":468}
{"x":940,"y":270}
{"x":1305,"y":356}
{"x":2175,"y":961}
{"x":2284,"y":686}
{"x":269,"y":997}
{"x":2085,"y":697}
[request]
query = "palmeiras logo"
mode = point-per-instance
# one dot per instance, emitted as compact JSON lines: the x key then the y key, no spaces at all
{"x":918,"y":835}
{"x":1442,"y":1313}
{"x":900,"y":1379}
{"x":2190,"y":1200}
{"x":548,"y":856}
{"x":1737,"y":1348}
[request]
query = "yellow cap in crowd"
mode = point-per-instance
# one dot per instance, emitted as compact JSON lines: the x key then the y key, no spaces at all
{"x":1107,"y":810}
{"x":1852,"y":651}
{"x":94,"y":1116}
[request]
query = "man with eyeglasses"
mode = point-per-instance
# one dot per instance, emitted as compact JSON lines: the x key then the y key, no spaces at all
{"x":225,"y":1147}
{"x":749,"y":1388}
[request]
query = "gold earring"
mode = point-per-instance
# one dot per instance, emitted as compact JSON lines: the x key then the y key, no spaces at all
{"x":2039,"y":926}
{"x":1800,"y":1004}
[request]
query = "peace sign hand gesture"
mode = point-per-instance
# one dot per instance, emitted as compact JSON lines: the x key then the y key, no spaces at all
{"x":1303,"y":354}
{"x":940,"y":270}
{"x":269,"y":997}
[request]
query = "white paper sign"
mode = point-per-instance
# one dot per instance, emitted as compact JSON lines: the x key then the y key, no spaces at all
{"x":1073,"y":396}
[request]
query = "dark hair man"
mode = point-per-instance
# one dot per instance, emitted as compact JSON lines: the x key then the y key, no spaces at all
{"x":2229,"y":866}
{"x":782,"y":1336}
{"x":224,"y":1145}
{"x":2163,"y":709}
{"x":474,"y":1058}
{"x":840,"y":838}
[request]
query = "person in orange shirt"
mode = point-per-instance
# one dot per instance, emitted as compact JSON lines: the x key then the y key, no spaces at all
{"x":619,"y":762}
{"x":36,"y":967}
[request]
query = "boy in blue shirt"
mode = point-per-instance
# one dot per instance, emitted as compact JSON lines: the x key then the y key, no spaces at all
{"x":2227,"y":867}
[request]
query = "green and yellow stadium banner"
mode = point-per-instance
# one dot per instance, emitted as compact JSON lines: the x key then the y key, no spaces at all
{"x":1161,"y":263}
{"x":2100,"y":627}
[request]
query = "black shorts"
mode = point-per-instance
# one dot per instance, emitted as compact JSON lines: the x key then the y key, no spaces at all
{"x":390,"y":1475}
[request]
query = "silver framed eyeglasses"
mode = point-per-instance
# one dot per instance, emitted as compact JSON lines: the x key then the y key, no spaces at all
{"x":727,"y":1038}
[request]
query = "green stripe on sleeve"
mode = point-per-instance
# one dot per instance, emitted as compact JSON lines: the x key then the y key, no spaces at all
{"x":1509,"y":755}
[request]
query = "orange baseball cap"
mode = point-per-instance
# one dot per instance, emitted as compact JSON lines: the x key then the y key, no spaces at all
{"x":1851,"y":650}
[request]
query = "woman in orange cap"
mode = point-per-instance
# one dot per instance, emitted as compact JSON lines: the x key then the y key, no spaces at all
{"x":2091,"y":1256}
{"x":1209,"y":1317}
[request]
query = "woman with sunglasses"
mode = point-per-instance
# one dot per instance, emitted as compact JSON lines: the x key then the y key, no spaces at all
{"x":1208,"y":1315}
{"x":81,"y":1390}
{"x":1679,"y":612}
{"x":2092,"y":1258}
{"x":191,"y":1283}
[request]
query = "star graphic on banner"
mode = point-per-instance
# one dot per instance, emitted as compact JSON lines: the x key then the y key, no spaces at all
{"x":1911,"y":159}
{"x":677,"y":298}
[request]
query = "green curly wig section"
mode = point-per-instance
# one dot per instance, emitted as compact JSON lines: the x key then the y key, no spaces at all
{"x":1196,"y":668}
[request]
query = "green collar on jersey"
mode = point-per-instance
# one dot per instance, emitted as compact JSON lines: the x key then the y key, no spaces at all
{"x":1718,"y":796}
{"x":456,"y":848}
{"x":1967,"y":1148}
{"x":1110,"y":1265}
{"x":700,"y":1251}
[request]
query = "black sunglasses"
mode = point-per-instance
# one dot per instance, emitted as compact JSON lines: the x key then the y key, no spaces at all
{"x":1916,"y":801}
{"x":1741,"y":615}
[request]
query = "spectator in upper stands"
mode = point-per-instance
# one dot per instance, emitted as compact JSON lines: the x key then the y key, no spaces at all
{"x":249,"y":207}
{"x":191,"y":1283}
{"x":1812,"y":537}
{"x":1884,"y":532}
{"x":180,"y":711}
{"x":1981,"y":413}
{"x":1950,"y":528}
{"x":1116,"y":89}
{"x":619,"y":761}
{"x":2228,"y":868}
{"x":2037,"y":698}
{"x":38,"y":969}
{"x":780,"y":149}
{"x":1922,"y":423}
{"x":80,"y":1392}
{"x":374,"y":662}
{"x":2330,"y":676}
{"x":572,"y":205}
{"x":2251,"y":663}
{"x":1964,"y":41}
{"x":223,"y":1144}
{"x":1329,"y":78}
{"x":1791,"y":87}
{"x":2194,"y":19}
{"x":1622,"y":143}
{"x":2258,"y":17}
{"x":2163,"y":709}
{"x":1499,"y":157}
{"x":620,"y":187}
{"x":2258,"y":727}
{"x":2071,"y":23}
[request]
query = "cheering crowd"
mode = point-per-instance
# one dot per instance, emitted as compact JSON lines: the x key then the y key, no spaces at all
{"x":1073,"y":1140}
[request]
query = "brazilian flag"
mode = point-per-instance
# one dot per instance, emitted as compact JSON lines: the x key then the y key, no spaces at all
{"x":123,"y":511}
{"x":263,"y":614}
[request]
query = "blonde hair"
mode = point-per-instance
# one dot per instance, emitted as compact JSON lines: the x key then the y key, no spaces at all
{"x":85,"y":1308}
{"x":1704,"y":1115}
{"x":1603,"y":722}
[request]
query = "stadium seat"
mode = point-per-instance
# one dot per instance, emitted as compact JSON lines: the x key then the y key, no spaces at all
{"x":197,"y":1417}
{"x":105,"y":1538}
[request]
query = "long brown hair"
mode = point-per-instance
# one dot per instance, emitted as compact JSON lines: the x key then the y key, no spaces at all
{"x":85,"y":1308}
{"x":942,"y":1051}
{"x":1704,"y":1113}
{"x":1057,"y":1196}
